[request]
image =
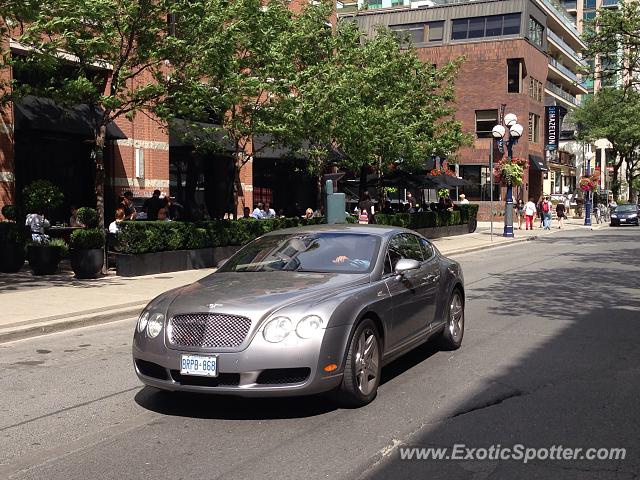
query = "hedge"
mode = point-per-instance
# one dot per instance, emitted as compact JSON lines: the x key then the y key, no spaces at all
{"x":137,"y":237}
{"x":459,"y":216}
{"x":143,"y":237}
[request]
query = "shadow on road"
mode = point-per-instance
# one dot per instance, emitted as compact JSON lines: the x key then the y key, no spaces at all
{"x":560,"y":367}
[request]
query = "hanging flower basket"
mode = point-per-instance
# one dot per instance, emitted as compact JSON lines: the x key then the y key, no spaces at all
{"x":443,"y":170}
{"x":510,"y":171}
{"x":590,"y":183}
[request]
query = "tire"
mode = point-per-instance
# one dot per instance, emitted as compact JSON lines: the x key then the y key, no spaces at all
{"x":453,"y":332}
{"x":354,"y":392}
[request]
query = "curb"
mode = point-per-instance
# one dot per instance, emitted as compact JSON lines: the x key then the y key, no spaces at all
{"x":462,"y":251}
{"x":82,"y":319}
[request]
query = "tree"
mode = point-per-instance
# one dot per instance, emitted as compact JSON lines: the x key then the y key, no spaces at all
{"x":241,"y":70}
{"x":109,"y":54}
{"x":613,"y":45}
{"x":611,"y":114}
{"x":375,"y":102}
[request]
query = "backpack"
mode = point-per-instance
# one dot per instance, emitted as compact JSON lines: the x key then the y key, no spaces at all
{"x":363,"y":218}
{"x":545,"y":206}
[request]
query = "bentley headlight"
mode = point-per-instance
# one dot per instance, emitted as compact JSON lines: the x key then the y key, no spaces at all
{"x":142,"y":321}
{"x":276,"y":330}
{"x":309,"y":326}
{"x":633,"y":215}
{"x":154,"y":325}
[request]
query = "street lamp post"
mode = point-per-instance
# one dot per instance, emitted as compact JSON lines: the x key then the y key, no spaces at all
{"x":587,"y":195}
{"x":515,"y":132}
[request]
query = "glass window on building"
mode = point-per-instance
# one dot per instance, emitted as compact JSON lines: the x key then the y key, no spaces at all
{"x":435,"y":31}
{"x":481,"y":27}
{"x":480,"y":183}
{"x":536,"y":31}
{"x":511,"y":24}
{"x":589,"y":4}
{"x":485,"y":121}
{"x":586,"y":16}
{"x":534,"y":128}
{"x":420,"y":32}
{"x":459,"y":28}
{"x":514,"y":75}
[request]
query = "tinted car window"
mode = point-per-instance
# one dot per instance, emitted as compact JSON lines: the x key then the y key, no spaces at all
{"x":626,"y":209}
{"x":427,"y":249}
{"x":323,"y":252}
{"x":403,"y":245}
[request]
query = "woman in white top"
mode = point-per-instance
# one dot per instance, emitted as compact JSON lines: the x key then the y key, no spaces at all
{"x":114,"y":226}
{"x":529,"y":213}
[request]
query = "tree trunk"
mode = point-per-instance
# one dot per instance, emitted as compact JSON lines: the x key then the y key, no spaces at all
{"x":98,"y":152}
{"x":238,"y":161}
{"x":363,"y":182}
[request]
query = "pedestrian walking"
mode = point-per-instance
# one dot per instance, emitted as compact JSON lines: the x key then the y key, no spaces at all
{"x":561,"y":213}
{"x":366,"y":204}
{"x":520,"y":212}
{"x":539,"y":211}
{"x":546,"y":213}
{"x":529,"y":213}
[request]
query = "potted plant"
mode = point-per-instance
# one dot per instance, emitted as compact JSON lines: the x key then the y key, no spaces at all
{"x":87,"y":245}
{"x":40,"y":198}
{"x":590,"y":183}
{"x":510,"y":171}
{"x":12,"y":240}
{"x":44,"y":256}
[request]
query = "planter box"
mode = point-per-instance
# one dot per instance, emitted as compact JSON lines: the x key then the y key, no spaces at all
{"x":172,"y":261}
{"x":439,"y":232}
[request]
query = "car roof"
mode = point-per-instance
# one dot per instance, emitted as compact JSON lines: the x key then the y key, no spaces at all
{"x":377,"y":230}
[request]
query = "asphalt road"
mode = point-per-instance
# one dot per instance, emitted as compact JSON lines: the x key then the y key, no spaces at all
{"x":550,"y":357}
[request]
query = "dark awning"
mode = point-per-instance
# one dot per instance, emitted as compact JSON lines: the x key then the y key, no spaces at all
{"x":538,"y":163}
{"x":45,"y":115}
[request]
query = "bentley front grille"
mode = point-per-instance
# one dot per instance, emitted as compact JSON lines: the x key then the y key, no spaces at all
{"x":208,"y":330}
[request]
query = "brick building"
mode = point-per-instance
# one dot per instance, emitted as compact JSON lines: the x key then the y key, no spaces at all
{"x":518,"y":53}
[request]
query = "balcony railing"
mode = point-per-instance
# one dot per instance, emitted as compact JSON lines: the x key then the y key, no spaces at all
{"x":565,"y":70}
{"x":561,"y":93}
{"x":563,"y":16}
{"x":565,"y":46}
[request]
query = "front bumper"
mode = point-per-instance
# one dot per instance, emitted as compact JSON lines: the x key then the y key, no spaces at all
{"x":262,"y":369}
{"x":626,"y":221}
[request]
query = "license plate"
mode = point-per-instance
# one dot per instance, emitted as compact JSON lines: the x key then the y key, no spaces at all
{"x":623,"y":219}
{"x":199,"y":365}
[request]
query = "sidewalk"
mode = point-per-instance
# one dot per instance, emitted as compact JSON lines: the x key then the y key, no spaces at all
{"x":35,"y":305}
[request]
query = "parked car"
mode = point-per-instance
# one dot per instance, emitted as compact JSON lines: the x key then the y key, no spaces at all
{"x":625,"y":215}
{"x":303,"y":311}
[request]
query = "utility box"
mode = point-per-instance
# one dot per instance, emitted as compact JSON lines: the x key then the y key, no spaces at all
{"x":334,"y":205}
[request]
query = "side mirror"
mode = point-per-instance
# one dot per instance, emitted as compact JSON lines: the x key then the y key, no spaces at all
{"x":406,"y":264}
{"x":222,"y":262}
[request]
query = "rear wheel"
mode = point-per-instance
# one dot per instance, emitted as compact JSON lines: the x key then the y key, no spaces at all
{"x":454,"y":329}
{"x":362,"y":367}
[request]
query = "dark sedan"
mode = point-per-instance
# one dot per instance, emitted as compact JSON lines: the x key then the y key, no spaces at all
{"x":303,"y":311}
{"x":625,"y":215}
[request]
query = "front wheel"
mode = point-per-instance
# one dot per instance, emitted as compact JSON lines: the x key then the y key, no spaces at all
{"x":454,"y":329}
{"x":362,"y":368}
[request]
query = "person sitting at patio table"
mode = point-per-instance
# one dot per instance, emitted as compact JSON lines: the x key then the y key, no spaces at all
{"x":114,"y":227}
{"x":445,"y":203}
{"x":37,"y":223}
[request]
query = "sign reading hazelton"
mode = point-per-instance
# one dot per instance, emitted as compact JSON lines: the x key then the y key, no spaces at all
{"x":552,"y":127}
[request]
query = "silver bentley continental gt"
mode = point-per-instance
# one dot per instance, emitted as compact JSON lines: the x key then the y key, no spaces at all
{"x":303,"y":311}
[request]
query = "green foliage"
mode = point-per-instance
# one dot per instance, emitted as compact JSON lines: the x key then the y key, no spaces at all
{"x":88,"y":217}
{"x":41,"y":196}
{"x":143,"y":237}
{"x":54,"y":242}
{"x":443,"y":192}
{"x":11,"y":212}
{"x":461,"y":215}
{"x":87,"y":238}
{"x":12,"y":232}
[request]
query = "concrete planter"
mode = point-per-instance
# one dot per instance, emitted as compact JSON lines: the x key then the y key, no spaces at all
{"x":87,"y":263}
{"x":439,"y":232}
{"x":171,"y":261}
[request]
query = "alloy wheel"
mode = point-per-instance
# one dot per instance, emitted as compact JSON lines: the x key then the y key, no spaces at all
{"x":456,"y":317}
{"x":366,"y":361}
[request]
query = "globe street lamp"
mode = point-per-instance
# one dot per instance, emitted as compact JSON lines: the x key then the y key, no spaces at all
{"x":587,"y":195}
{"x":499,"y":132}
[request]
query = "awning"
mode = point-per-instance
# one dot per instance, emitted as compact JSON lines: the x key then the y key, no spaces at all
{"x":44,"y":115}
{"x":538,"y":163}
